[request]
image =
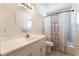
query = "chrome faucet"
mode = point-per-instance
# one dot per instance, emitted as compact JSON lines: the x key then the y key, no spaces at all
{"x":27,"y":36}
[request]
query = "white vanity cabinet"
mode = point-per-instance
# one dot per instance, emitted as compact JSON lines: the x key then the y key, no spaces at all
{"x":35,"y":48}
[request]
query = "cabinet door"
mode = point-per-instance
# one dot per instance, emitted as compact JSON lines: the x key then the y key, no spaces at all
{"x":19,"y":53}
{"x":36,"y":52}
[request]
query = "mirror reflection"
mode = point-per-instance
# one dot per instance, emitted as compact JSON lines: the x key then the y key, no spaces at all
{"x":23,"y":19}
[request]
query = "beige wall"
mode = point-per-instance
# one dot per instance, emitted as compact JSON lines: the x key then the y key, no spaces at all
{"x":77,"y":24}
{"x":7,"y":21}
{"x":37,"y":21}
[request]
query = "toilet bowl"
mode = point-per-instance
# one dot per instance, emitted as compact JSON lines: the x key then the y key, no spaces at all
{"x":49,"y":44}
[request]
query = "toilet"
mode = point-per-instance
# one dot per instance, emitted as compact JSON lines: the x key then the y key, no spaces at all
{"x":49,"y":44}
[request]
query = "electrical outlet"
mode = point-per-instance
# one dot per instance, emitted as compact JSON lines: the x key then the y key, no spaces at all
{"x":5,"y":30}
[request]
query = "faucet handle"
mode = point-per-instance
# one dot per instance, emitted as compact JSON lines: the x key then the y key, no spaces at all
{"x":27,"y":36}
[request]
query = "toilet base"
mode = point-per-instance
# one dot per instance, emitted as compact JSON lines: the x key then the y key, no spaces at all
{"x":48,"y":50}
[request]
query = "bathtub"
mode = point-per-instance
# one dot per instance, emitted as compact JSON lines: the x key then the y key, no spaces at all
{"x":73,"y":50}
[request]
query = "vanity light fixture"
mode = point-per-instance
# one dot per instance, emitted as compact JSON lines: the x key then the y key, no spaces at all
{"x":29,"y":6}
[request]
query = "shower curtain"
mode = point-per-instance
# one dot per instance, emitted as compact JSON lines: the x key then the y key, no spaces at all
{"x":61,"y":30}
{"x":47,"y":27}
{"x":64,"y":30}
{"x":57,"y":28}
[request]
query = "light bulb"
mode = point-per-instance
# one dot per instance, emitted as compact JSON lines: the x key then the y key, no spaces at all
{"x":30,"y":5}
{"x":21,"y":5}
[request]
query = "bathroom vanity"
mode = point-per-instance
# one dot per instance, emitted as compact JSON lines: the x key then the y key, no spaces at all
{"x":32,"y":46}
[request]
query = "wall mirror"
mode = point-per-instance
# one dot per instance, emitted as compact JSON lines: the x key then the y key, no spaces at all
{"x":23,"y":18}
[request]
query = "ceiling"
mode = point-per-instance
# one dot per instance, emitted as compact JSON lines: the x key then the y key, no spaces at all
{"x":44,"y":8}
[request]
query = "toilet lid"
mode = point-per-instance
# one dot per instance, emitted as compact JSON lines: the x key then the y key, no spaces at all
{"x":49,"y":43}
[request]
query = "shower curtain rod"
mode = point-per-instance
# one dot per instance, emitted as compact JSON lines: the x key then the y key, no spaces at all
{"x":59,"y":12}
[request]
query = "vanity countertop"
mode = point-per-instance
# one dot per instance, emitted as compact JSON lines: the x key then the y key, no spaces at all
{"x":13,"y":44}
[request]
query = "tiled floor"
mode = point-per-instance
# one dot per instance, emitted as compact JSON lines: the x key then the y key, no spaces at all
{"x":58,"y":53}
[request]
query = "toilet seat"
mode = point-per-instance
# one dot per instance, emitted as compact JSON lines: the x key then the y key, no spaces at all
{"x":49,"y":43}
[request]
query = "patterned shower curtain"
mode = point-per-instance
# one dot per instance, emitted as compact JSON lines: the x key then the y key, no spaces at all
{"x":55,"y":30}
{"x":61,"y":30}
{"x":47,"y":27}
